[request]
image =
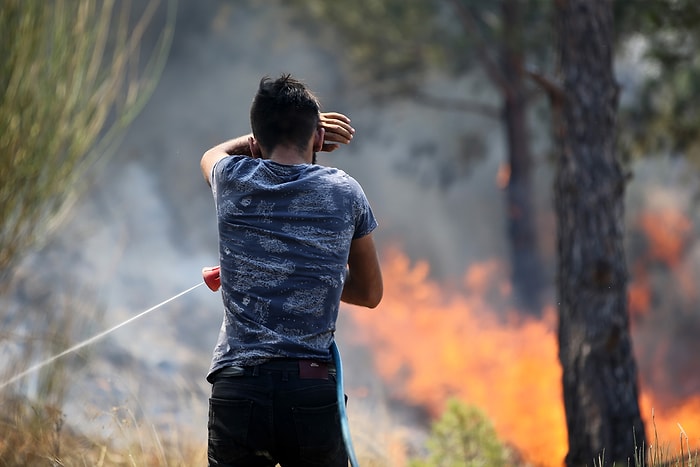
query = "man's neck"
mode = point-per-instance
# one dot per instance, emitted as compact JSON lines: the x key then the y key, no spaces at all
{"x":290,"y":156}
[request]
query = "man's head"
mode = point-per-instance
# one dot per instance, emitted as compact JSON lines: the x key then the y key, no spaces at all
{"x":284,"y":112}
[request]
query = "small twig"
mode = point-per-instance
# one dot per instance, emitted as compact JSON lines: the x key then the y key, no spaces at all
{"x":682,"y":435}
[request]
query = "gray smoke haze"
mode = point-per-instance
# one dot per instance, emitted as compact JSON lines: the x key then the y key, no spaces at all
{"x":146,"y":228}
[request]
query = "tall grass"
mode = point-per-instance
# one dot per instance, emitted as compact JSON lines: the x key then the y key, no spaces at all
{"x":35,"y":434}
{"x":658,"y":455}
{"x":73,"y":76}
{"x":39,"y":434}
{"x":34,"y":428}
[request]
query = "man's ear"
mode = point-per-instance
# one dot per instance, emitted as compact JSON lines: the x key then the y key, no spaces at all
{"x":254,"y":148}
{"x":318,"y":138}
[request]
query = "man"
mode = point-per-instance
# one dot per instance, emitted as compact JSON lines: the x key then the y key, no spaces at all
{"x":295,"y":239}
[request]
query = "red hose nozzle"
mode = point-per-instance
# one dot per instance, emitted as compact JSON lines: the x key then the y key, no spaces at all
{"x":212,"y":277}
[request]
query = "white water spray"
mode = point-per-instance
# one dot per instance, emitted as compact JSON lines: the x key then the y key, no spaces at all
{"x":92,"y":339}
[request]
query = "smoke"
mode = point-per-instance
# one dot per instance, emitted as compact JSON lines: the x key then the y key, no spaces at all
{"x":146,"y":227}
{"x":664,"y":262}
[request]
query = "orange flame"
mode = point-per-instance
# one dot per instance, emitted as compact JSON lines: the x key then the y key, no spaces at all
{"x":639,"y":292}
{"x":503,"y":175}
{"x":667,"y":231}
{"x":431,"y":344}
{"x":668,"y":234}
{"x":664,"y":424}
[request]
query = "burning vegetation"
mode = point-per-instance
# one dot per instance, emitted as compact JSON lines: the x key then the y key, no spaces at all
{"x":432,"y":342}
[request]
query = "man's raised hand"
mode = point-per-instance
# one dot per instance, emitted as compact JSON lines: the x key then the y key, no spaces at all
{"x":338,"y":130}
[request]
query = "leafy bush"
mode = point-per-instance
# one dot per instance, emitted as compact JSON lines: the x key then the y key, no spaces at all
{"x":463,"y":437}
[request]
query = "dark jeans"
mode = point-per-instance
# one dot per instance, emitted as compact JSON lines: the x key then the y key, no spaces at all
{"x":269,"y":415}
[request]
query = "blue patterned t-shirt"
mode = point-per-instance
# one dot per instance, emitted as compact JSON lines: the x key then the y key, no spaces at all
{"x":284,"y":239}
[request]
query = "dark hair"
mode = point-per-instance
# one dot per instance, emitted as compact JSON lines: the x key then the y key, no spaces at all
{"x":284,"y":111}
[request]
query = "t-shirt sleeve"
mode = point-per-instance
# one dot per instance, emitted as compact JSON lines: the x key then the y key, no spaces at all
{"x":220,"y":170}
{"x":214,"y":175}
{"x":365,"y":222}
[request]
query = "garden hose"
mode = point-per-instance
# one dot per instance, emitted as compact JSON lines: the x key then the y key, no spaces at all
{"x":344,"y":423}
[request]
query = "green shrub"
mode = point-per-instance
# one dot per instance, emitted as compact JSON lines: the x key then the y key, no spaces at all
{"x":463,"y":437}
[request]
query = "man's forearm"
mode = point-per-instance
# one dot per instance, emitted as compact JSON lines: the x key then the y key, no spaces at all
{"x":363,"y":283}
{"x":237,"y":146}
{"x":234,"y":147}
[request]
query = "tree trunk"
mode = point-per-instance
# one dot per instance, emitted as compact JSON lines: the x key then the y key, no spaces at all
{"x":527,"y":269}
{"x":595,"y":348}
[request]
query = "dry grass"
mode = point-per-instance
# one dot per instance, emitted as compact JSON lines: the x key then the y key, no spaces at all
{"x":659,"y":455}
{"x":38,"y":435}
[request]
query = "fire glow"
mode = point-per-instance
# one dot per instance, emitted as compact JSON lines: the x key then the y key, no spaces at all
{"x":431,"y":342}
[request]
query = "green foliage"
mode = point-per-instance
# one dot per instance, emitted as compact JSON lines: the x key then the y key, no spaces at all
{"x":71,"y":82}
{"x":390,"y":46}
{"x":389,"y":43}
{"x":463,"y":437}
{"x":662,"y":117}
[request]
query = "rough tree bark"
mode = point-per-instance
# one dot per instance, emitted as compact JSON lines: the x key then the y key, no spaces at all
{"x":595,"y":349}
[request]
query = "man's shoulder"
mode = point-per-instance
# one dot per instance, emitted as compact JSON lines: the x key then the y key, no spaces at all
{"x":231,"y":160}
{"x":334,"y":173}
{"x":338,"y":177}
